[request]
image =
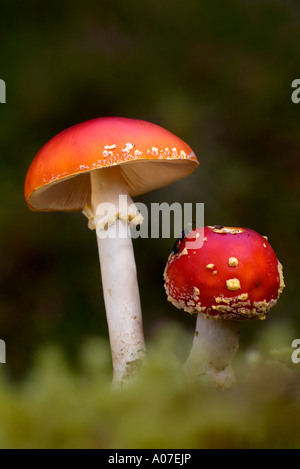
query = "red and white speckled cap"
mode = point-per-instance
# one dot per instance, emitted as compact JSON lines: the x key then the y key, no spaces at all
{"x":148,"y":156}
{"x":235,"y":275}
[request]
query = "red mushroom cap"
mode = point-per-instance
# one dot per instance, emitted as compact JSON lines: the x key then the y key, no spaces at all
{"x":149,"y":157}
{"x":234,"y":275}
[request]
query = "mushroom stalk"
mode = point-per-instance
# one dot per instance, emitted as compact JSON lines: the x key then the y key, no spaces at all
{"x":118,"y":269}
{"x":214,"y":346}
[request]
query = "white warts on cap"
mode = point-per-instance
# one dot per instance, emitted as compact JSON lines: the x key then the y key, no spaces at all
{"x":282,"y":284}
{"x":225,"y":229}
{"x":128,"y":147}
{"x":107,"y":153}
{"x":233,"y":261}
{"x":184,"y":252}
{"x":233,"y":284}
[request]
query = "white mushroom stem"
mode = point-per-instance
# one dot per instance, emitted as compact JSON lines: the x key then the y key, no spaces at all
{"x":214,"y":346}
{"x":118,"y":269}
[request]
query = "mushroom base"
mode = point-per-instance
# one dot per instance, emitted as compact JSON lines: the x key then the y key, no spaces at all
{"x":214,"y":346}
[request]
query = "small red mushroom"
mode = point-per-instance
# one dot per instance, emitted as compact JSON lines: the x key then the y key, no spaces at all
{"x":226,"y":276}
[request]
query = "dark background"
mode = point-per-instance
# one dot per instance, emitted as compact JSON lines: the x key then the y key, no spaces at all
{"x":217,"y":74}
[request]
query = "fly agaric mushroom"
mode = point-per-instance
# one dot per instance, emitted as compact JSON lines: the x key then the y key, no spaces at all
{"x":88,"y":167}
{"x":230,"y":275}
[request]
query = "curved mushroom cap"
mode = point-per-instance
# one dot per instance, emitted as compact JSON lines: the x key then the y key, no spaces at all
{"x":234,"y":275}
{"x":149,"y":157}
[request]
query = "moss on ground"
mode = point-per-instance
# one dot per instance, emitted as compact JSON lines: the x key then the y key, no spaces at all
{"x":59,"y":407}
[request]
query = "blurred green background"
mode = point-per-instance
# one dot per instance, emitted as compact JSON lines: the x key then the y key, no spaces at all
{"x":217,"y":74}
